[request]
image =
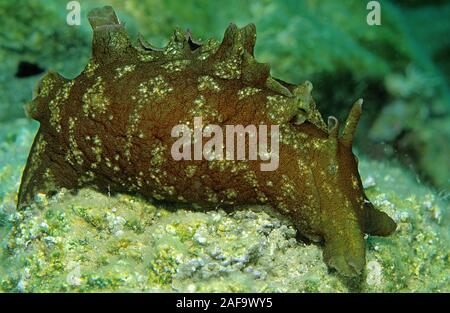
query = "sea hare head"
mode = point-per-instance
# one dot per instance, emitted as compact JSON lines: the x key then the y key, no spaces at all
{"x":342,"y":199}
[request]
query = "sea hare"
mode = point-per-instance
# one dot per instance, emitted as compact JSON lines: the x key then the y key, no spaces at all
{"x":110,"y":129}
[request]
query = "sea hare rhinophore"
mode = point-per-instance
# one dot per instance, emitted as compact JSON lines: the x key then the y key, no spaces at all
{"x":110,"y":129}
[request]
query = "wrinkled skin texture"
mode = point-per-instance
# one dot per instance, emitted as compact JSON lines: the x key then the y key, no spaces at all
{"x":110,"y":128}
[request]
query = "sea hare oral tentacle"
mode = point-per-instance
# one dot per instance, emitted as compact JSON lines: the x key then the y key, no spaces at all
{"x":111,"y":128}
{"x":377,"y":223}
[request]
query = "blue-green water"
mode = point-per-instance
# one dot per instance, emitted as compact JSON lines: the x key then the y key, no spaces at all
{"x":400,"y":67}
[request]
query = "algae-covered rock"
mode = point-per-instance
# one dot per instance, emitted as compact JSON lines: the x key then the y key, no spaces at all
{"x":93,"y":242}
{"x":96,"y":242}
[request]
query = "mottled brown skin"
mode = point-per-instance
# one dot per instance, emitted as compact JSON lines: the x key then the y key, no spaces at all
{"x":105,"y":130}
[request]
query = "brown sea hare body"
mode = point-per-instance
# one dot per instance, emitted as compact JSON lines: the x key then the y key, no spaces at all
{"x":110,"y":128}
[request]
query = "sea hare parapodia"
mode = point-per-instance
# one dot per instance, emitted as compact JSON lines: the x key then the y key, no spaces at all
{"x":110,"y":128}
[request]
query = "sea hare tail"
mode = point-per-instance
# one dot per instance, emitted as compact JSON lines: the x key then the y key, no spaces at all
{"x":38,"y":176}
